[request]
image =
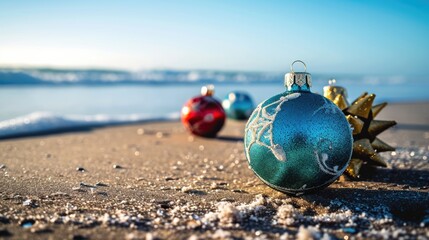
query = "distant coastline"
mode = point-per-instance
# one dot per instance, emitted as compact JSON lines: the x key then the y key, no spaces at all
{"x":45,"y":76}
{"x":94,"y":77}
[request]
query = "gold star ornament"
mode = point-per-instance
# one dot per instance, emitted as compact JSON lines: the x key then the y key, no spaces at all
{"x":360,"y":114}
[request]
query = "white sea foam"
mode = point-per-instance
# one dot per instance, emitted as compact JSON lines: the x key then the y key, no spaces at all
{"x":57,"y":76}
{"x":40,"y":122}
{"x":70,"y":76}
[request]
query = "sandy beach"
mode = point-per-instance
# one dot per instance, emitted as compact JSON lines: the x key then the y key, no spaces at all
{"x":154,"y":180}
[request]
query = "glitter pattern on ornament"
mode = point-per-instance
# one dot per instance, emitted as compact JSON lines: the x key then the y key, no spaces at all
{"x":297,"y":141}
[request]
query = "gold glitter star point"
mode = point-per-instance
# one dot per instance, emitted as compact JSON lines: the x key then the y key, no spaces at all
{"x":360,"y":114}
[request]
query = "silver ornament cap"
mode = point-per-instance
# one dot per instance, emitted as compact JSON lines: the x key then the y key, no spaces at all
{"x":207,"y":90}
{"x":298,"y":81}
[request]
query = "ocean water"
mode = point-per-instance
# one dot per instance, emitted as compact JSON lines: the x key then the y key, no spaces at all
{"x":47,"y":100}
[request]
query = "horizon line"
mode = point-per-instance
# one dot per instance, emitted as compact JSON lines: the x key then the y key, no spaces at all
{"x":115,"y":69}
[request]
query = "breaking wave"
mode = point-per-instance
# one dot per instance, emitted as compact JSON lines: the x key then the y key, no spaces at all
{"x":35,"y":76}
{"x":42,"y":122}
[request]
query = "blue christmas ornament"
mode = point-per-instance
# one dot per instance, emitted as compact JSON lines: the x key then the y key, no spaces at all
{"x":238,"y":105}
{"x":298,"y":141}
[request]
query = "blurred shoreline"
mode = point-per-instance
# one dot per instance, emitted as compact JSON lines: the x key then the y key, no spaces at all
{"x":34,"y":101}
{"x":40,"y":124}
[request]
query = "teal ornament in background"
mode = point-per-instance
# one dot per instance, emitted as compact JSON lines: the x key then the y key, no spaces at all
{"x":297,"y":141}
{"x":238,"y":105}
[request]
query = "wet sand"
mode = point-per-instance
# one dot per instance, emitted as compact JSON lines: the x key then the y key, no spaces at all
{"x":154,"y":180}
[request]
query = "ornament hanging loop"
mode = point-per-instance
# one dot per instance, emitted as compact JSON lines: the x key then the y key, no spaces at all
{"x":298,"y":81}
{"x":296,"y":61}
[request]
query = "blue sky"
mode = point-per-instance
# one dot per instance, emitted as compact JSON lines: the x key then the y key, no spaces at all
{"x":362,"y":37}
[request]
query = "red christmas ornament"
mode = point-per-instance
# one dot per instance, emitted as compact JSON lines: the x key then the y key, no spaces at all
{"x":203,"y":115}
